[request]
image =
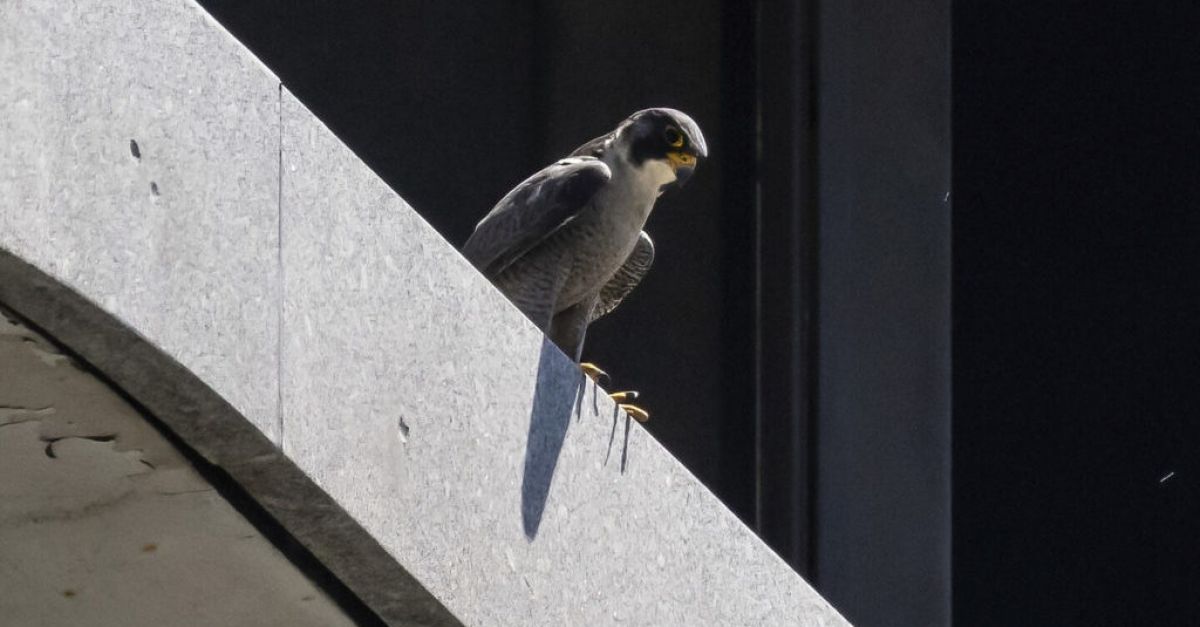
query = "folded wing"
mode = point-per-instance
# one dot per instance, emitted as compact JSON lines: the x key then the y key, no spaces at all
{"x":533,"y":211}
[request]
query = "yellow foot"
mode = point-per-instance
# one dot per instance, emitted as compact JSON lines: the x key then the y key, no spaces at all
{"x":635,"y":412}
{"x":593,"y":371}
{"x":624,"y":397}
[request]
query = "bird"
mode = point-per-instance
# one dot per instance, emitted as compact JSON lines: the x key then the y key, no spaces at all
{"x":568,"y":244}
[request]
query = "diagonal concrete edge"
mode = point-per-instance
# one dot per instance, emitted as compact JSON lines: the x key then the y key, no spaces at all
{"x":268,"y":298}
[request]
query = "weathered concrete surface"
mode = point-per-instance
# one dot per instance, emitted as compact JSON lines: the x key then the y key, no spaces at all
{"x":103,"y":522}
{"x":139,"y":165}
{"x":178,"y":235}
{"x":420,"y":416}
{"x":215,"y":430}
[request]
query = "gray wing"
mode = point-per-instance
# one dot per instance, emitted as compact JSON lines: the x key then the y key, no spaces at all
{"x":533,"y":211}
{"x":627,"y":277}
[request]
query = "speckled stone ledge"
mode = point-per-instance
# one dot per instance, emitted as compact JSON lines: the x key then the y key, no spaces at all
{"x":323,"y":344}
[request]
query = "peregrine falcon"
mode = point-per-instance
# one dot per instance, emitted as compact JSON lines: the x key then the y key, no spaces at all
{"x":567,"y":245}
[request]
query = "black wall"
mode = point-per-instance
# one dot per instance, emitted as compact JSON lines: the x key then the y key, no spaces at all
{"x":1077,"y":313}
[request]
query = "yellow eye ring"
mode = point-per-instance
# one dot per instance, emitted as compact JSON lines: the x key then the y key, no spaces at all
{"x":674,"y":137}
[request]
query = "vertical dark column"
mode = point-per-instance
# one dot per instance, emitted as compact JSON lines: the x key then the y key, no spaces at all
{"x":883,"y":436}
{"x":785,"y":279}
{"x":738,"y":224}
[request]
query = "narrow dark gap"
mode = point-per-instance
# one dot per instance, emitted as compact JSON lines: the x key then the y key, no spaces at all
{"x":807,"y":297}
{"x":280,"y":277}
{"x":738,"y":198}
{"x":785,"y":280}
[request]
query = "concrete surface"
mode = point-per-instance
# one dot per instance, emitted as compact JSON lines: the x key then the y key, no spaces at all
{"x":103,"y":522}
{"x":139,"y":165}
{"x":139,"y":152}
{"x":421,"y":418}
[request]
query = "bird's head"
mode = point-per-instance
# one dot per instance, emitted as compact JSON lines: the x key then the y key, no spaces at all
{"x":665,"y":140}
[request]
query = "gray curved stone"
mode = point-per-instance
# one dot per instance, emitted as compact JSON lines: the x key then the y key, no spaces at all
{"x":104,"y":522}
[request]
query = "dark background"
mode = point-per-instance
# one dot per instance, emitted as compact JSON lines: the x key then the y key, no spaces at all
{"x":1077,"y":313}
{"x":793,"y":339}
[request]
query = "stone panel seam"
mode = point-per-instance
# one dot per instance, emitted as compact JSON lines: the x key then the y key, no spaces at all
{"x":282,"y":286}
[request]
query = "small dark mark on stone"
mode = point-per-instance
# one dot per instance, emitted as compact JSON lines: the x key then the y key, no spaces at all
{"x":134,"y":150}
{"x":107,"y":437}
{"x":403,"y":430}
{"x":307,"y":597}
{"x":95,"y":438}
{"x":147,"y":464}
{"x":70,"y":594}
{"x":149,"y":547}
{"x":154,"y":188}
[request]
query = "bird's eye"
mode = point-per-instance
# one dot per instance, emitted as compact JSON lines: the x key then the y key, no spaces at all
{"x":673,"y":137}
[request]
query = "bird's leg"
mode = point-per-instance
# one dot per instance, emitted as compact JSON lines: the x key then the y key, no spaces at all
{"x":622,"y":397}
{"x":568,"y":329}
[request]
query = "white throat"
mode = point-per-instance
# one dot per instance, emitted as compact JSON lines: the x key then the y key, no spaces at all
{"x":659,"y":173}
{"x":647,"y":179}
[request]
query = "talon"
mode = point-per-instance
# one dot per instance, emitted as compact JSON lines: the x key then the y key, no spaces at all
{"x":635,"y":412}
{"x":593,"y":371}
{"x":624,"y":397}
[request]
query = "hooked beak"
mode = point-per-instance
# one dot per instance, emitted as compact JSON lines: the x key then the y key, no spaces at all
{"x":684,"y":164}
